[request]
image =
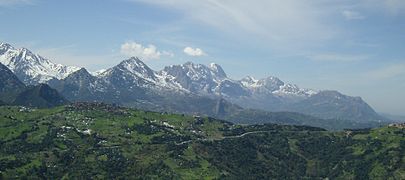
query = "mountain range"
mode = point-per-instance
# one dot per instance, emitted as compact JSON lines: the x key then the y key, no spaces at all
{"x":187,"y":88}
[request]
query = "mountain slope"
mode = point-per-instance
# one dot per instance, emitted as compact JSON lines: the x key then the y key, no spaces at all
{"x":10,"y":85}
{"x":81,"y":86}
{"x":31,"y":68}
{"x":341,"y":106}
{"x":40,"y":96}
{"x":13,"y":91}
{"x":108,"y":142}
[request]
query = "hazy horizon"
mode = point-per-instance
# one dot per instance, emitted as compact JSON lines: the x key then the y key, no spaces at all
{"x":354,"y":47}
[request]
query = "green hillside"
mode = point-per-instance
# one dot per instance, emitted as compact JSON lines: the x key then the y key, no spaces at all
{"x":101,"y":141}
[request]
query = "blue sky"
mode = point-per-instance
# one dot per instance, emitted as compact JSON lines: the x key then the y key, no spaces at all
{"x":354,"y":46}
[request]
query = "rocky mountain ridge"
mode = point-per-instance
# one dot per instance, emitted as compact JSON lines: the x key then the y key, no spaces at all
{"x":30,"y":68}
{"x":133,"y":83}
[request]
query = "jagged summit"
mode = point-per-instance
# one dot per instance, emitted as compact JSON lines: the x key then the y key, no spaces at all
{"x":217,"y":69}
{"x":275,"y":86}
{"x":197,"y":71}
{"x":5,"y":46}
{"x":130,"y":72}
{"x":248,"y":81}
{"x":197,"y":78}
{"x":31,"y":68}
{"x":82,"y":72}
{"x":133,"y":73}
{"x":271,"y":83}
{"x":134,"y":60}
{"x":137,"y":67}
{"x":271,"y":80}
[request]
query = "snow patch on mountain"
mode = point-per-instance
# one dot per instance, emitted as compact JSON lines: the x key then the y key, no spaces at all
{"x":31,"y":68}
{"x":292,"y":89}
{"x":275,"y":86}
{"x":136,"y":73}
{"x":249,"y":82}
{"x":98,"y":72}
{"x":166,"y":80}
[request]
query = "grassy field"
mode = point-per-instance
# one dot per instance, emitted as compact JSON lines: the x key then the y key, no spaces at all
{"x":102,"y":141}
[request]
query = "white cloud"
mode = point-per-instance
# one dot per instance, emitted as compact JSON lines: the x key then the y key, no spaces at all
{"x":352,"y":15}
{"x":135,"y":49}
{"x":335,"y":57}
{"x":193,"y":52}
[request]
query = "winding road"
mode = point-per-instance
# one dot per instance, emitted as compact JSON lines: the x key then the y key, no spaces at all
{"x":228,"y":137}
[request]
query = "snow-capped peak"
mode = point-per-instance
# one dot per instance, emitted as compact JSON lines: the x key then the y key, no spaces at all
{"x":136,"y":67}
{"x":271,"y":83}
{"x":249,"y":82}
{"x":197,"y":78}
{"x":32,"y":68}
{"x":218,"y":71}
{"x":5,"y":46}
{"x":275,"y":86}
{"x":134,"y":72}
{"x":200,"y":71}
